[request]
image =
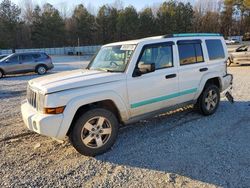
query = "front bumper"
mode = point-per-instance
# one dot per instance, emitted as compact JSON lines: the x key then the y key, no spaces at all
{"x":43,"y":124}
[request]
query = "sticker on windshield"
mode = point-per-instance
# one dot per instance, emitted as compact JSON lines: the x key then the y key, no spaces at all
{"x":128,"y":47}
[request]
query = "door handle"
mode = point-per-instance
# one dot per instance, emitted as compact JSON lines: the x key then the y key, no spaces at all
{"x":170,"y":76}
{"x":203,"y":69}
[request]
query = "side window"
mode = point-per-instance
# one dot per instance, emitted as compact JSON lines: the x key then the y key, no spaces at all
{"x":190,"y":53}
{"x":161,"y":55}
{"x":215,"y":49}
{"x":36,"y":56}
{"x":13,"y":59}
{"x":26,"y":57}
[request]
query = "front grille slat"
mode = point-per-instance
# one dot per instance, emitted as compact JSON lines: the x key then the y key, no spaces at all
{"x":32,"y":97}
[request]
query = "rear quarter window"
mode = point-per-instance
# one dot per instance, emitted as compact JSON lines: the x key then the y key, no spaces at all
{"x":44,"y":55}
{"x":215,"y":49}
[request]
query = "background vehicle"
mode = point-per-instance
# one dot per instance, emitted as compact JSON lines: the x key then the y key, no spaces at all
{"x":241,"y":55}
{"x":38,"y":62}
{"x":125,"y":82}
{"x":228,"y":42}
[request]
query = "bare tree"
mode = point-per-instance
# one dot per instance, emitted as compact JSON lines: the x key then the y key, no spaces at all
{"x":27,"y":10}
{"x":118,"y":4}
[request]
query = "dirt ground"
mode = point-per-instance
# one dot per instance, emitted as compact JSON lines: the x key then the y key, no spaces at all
{"x":178,"y":149}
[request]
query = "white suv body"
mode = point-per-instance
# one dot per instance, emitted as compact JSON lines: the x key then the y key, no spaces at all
{"x":160,"y":73}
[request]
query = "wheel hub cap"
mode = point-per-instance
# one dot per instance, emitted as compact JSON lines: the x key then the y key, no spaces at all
{"x":211,"y":100}
{"x":96,"y":132}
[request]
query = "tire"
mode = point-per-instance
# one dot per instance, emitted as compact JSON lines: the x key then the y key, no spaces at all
{"x":41,"y":69}
{"x":209,"y":100}
{"x":88,"y":133}
{"x":1,"y":74}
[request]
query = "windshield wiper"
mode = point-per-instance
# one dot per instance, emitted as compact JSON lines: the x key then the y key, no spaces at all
{"x":107,"y":70}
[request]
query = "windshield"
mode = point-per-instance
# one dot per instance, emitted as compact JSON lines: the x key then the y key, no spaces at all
{"x":3,"y":59}
{"x":112,"y":58}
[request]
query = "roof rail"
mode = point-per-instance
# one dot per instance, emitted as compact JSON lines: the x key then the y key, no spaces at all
{"x":192,"y":35}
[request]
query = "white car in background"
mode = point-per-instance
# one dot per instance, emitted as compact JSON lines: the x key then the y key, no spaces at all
{"x":229,"y":42}
{"x":240,"y":55}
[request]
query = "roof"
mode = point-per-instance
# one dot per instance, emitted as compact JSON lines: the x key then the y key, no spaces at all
{"x":167,"y":36}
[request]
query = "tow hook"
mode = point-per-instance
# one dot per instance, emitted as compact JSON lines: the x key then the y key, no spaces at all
{"x":229,"y":97}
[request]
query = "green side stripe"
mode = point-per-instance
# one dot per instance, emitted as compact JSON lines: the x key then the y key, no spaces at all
{"x":166,"y":97}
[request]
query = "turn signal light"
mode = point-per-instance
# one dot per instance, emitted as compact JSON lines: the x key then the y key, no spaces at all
{"x":57,"y":110}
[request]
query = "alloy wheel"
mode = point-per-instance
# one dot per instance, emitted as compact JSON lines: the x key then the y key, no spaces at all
{"x":41,"y":70}
{"x":96,"y":132}
{"x":211,"y":100}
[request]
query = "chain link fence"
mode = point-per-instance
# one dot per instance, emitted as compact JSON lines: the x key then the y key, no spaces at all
{"x":81,"y":50}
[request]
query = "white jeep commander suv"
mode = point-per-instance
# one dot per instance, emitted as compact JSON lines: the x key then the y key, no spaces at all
{"x":125,"y":82}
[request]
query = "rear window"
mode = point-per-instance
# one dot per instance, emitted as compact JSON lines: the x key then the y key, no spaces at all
{"x":215,"y":49}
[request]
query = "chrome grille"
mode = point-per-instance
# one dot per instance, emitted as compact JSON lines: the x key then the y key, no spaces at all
{"x":32,"y":97}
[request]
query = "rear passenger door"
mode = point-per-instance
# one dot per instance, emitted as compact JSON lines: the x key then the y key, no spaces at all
{"x":191,"y":68}
{"x":27,"y":62}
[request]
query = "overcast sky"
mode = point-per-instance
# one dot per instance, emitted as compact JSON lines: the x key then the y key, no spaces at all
{"x":139,"y":4}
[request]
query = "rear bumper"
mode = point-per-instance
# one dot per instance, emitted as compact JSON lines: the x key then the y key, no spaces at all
{"x":227,"y":85}
{"x":43,"y":124}
{"x":50,"y":66}
{"x":227,"y":82}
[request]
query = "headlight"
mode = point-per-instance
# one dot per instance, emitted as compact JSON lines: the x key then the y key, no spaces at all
{"x":40,"y":102}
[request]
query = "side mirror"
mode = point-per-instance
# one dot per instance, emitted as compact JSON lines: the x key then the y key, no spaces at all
{"x":144,"y":68}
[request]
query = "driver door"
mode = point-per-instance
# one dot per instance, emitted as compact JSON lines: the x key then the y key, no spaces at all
{"x":155,"y":90}
{"x":12,"y":64}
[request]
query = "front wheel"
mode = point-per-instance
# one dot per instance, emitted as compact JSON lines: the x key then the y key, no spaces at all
{"x":94,"y":132}
{"x":209,"y":100}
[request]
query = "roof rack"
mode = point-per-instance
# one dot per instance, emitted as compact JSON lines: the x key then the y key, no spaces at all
{"x":192,"y":35}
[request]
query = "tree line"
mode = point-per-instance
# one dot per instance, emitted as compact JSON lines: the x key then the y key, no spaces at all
{"x":45,"y":26}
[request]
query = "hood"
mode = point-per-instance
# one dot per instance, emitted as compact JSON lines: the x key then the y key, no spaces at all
{"x":73,"y":79}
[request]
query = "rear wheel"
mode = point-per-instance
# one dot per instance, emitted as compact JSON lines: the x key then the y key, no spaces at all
{"x":209,"y":100}
{"x":94,"y":132}
{"x":41,"y":69}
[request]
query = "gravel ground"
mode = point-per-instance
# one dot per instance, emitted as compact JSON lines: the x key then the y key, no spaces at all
{"x":176,"y":149}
